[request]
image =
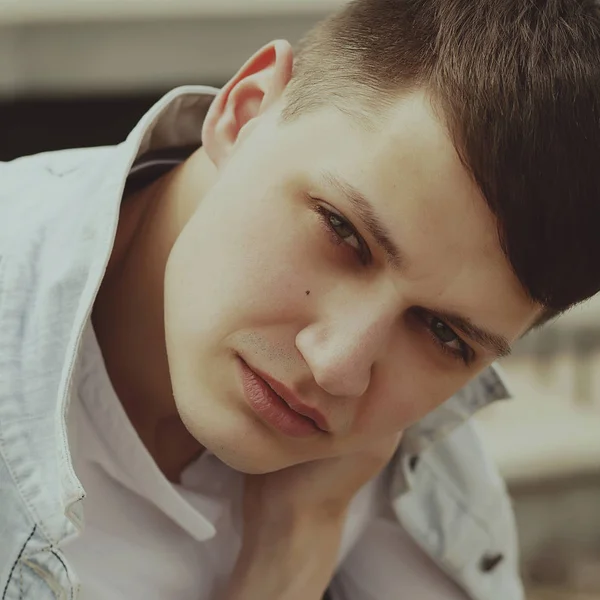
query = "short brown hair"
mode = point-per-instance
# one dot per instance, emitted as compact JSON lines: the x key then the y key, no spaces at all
{"x":517,"y":84}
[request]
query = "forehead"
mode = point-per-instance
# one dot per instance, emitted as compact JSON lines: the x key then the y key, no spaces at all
{"x":405,"y":163}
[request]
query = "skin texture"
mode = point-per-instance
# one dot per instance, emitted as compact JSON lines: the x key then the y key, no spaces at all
{"x":229,"y":256}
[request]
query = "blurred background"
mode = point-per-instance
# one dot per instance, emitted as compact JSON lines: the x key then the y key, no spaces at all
{"x":81,"y":72}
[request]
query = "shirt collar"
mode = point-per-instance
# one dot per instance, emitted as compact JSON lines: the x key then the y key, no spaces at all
{"x":113,"y":444}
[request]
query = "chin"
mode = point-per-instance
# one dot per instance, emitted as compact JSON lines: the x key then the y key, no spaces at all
{"x":242,"y":465}
{"x":243,"y":450}
{"x":250,"y":463}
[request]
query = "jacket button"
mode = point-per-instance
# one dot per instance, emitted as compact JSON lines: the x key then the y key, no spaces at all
{"x":490,"y":561}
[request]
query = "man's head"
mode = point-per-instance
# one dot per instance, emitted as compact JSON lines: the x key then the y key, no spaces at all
{"x":388,"y":213}
{"x":517,"y":86}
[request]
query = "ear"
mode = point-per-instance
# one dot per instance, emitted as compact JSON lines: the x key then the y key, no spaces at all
{"x":254,"y":88}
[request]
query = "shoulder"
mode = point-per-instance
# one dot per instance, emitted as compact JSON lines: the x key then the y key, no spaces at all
{"x":36,"y":189}
{"x":456,"y":506}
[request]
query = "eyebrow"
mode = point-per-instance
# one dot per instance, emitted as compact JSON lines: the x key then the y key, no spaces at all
{"x":366,"y":213}
{"x":497,"y":344}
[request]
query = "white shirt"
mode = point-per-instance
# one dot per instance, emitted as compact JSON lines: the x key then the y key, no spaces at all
{"x":148,"y":539}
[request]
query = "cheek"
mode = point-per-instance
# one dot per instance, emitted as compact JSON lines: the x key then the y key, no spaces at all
{"x":408,"y":388}
{"x":240,"y":264}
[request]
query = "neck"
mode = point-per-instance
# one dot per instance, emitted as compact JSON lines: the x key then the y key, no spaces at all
{"x":128,"y":314}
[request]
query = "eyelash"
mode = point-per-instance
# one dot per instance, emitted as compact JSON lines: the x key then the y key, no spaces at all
{"x":464,"y":353}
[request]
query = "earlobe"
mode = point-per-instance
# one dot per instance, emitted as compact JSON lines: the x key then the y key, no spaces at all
{"x":254,"y":88}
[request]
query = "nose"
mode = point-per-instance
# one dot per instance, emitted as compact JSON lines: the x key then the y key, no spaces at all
{"x":341,"y":350}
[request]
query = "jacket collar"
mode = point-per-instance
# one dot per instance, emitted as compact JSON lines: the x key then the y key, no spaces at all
{"x":489,"y":387}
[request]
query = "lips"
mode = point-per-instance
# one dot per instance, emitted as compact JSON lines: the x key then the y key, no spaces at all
{"x":294,"y":402}
{"x":276,"y":405}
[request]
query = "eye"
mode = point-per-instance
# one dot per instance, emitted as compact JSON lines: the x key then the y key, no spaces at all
{"x":343,"y":232}
{"x":446,"y":338}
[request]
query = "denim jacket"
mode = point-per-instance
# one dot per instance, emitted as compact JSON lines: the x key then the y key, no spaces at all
{"x":58,"y":218}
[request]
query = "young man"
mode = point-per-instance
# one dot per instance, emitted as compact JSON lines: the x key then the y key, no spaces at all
{"x":240,"y":350}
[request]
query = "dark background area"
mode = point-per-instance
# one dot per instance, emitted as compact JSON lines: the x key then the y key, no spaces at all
{"x":28,"y":126}
{"x":33,"y":125}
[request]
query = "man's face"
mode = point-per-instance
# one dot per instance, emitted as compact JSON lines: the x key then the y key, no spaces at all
{"x":279,"y":269}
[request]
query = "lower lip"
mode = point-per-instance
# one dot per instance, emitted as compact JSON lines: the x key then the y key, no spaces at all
{"x":272,"y":409}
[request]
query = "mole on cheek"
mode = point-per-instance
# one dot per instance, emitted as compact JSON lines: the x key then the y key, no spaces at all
{"x":307,"y":292}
